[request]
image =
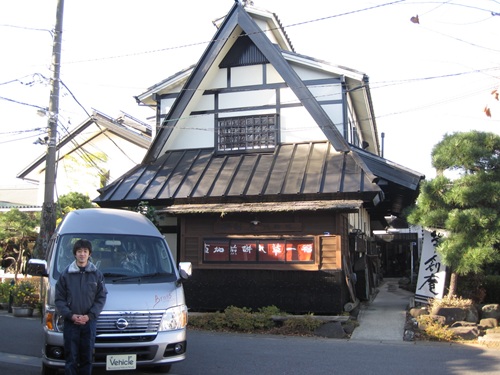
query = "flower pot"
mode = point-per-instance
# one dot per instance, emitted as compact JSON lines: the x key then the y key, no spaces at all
{"x":22,"y":311}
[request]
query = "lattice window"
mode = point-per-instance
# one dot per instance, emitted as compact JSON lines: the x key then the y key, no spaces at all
{"x":247,"y":133}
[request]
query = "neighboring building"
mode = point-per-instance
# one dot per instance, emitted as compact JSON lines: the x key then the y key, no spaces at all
{"x":266,"y":173}
{"x":24,"y":198}
{"x":97,"y":151}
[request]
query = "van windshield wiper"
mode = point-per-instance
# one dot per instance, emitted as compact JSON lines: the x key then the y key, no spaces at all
{"x":113,"y":274}
{"x":146,"y":276}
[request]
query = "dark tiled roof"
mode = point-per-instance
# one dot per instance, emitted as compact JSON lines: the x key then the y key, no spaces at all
{"x":294,"y":172}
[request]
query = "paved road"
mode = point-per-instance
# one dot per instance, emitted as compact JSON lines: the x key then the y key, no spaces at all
{"x":229,"y":354}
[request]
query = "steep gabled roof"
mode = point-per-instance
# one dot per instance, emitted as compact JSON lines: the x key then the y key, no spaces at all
{"x":236,"y":22}
{"x":319,"y":172}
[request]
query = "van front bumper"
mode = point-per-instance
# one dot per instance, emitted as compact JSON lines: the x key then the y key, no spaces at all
{"x":161,"y":349}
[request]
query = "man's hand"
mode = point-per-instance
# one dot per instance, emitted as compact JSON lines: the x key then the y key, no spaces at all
{"x":80,"y":319}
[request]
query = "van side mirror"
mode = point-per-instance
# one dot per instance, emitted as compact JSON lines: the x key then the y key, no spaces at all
{"x":185,"y":270}
{"x":37,"y":267}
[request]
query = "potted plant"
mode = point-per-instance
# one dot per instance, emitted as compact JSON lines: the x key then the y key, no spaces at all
{"x":5,"y":288}
{"x":25,"y":298}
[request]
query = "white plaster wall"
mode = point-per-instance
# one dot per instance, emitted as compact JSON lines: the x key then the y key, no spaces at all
{"x":206,"y":103}
{"x":247,"y":99}
{"x":334,"y":111}
{"x":264,"y":26}
{"x":288,"y":96}
{"x":297,"y":125}
{"x":219,"y":79}
{"x":246,"y":75}
{"x":247,"y":113}
{"x":326,"y":92}
{"x":309,"y":73}
{"x":272,"y":75}
{"x":194,"y":132}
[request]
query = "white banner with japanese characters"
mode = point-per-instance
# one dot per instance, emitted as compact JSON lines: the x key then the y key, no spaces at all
{"x":432,"y":273}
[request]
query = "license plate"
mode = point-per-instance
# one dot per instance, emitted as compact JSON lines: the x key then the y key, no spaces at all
{"x":121,"y":362}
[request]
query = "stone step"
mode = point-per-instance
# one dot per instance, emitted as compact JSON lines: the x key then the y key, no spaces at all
{"x":490,"y":338}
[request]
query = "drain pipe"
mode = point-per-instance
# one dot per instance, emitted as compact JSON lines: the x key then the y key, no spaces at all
{"x":382,"y":135}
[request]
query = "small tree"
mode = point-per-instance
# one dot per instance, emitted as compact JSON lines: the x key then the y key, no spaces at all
{"x":72,"y":201}
{"x":468,"y":206}
{"x":17,"y":231}
{"x":148,"y":211}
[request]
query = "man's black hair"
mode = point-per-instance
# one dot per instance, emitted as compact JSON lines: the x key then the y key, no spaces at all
{"x":82,"y":244}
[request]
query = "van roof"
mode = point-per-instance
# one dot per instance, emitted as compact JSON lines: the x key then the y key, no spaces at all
{"x":107,"y":220}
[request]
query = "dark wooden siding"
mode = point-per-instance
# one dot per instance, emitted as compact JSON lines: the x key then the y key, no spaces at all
{"x":194,"y":228}
{"x":317,"y":287}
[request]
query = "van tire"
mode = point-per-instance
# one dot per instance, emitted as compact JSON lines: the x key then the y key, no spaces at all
{"x":49,"y":370}
{"x":162,"y":369}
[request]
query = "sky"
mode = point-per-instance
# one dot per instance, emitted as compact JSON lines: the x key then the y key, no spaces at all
{"x":427,"y":79}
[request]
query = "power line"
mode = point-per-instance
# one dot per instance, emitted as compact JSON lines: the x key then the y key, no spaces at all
{"x":22,"y":103}
{"x":218,"y":40}
{"x":27,"y":28}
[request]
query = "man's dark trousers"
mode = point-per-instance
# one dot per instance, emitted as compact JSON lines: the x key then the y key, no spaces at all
{"x":79,"y":347}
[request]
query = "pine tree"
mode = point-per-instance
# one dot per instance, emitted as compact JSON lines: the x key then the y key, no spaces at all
{"x":467,"y":205}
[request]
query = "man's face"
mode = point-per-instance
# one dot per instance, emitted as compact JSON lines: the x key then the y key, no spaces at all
{"x":82,"y":256}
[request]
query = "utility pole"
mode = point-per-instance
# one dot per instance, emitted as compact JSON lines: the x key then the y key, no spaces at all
{"x":48,"y":220}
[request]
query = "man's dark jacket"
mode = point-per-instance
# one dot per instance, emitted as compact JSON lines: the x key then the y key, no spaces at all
{"x":80,"y":292}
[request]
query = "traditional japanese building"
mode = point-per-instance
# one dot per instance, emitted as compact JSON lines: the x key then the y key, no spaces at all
{"x":267,"y":175}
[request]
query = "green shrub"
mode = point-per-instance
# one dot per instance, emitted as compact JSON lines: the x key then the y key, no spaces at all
{"x":239,"y":319}
{"x":270,"y":311}
{"x":433,"y":330}
{"x":5,"y":289}
{"x":210,"y":321}
{"x":25,"y":293}
{"x":452,"y":301}
{"x":300,"y":326}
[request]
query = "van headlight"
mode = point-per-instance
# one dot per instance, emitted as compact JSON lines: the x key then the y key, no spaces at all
{"x":53,"y":320}
{"x":174,"y":318}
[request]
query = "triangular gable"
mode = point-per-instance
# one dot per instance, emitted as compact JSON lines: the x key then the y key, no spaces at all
{"x":127,"y":127}
{"x":243,"y":52}
{"x":239,"y":17}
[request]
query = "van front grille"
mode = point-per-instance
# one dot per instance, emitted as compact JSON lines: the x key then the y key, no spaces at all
{"x":126,"y":323}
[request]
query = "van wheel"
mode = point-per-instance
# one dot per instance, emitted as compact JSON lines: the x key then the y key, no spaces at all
{"x":49,"y":370}
{"x":162,"y":369}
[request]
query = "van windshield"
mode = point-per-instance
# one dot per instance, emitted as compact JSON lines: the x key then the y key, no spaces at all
{"x":118,"y":255}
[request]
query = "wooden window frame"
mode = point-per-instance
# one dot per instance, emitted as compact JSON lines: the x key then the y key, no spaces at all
{"x":247,"y":133}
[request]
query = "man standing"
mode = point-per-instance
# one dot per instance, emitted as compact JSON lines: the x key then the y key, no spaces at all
{"x":80,"y":298}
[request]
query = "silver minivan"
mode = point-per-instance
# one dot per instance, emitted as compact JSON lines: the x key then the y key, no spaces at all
{"x":144,"y":320}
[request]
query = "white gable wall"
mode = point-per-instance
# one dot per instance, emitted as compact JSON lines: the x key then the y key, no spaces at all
{"x":246,"y":75}
{"x":264,"y":26}
{"x":197,"y":131}
{"x":196,"y":128}
{"x":75,"y":174}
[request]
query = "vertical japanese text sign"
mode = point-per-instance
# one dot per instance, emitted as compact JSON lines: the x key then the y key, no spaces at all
{"x":432,"y":273}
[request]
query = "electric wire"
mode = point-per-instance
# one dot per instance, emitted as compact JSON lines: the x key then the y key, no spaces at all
{"x":374,"y":86}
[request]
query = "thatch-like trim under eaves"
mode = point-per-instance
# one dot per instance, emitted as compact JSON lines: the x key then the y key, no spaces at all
{"x":342,"y":205}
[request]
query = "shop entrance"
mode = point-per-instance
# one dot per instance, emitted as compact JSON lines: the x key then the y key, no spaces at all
{"x":398,"y":254}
